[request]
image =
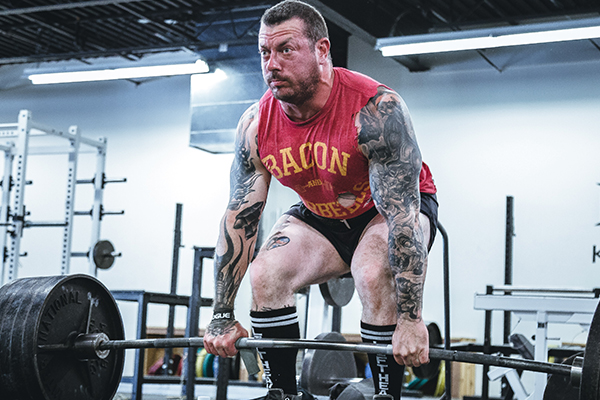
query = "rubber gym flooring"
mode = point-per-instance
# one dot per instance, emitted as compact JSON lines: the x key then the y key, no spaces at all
{"x":204,"y":392}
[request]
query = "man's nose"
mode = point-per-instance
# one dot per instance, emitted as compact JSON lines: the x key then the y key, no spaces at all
{"x":273,"y":62}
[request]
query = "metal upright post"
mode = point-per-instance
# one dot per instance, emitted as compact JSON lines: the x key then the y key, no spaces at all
{"x":70,"y":199}
{"x":487,"y":344}
{"x":97,"y":206}
{"x":508,"y":259}
{"x":174,"y":274}
{"x":507,"y":391}
{"x":336,"y":319}
{"x":447,"y":335}
{"x":193,"y":321}
{"x":4,"y":212}
{"x":223,"y":378}
{"x":22,"y":147}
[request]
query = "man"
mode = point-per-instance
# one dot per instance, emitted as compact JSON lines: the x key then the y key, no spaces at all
{"x":346,"y":144}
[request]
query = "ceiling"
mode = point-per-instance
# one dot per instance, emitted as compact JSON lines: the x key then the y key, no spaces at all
{"x":34,"y":31}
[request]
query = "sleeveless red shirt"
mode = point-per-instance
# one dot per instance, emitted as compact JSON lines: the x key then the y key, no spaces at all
{"x":319,"y":158}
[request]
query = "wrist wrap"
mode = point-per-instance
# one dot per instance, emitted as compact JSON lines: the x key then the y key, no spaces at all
{"x":223,"y":314}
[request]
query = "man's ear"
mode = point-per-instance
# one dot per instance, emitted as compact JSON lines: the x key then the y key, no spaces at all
{"x":322,"y":48}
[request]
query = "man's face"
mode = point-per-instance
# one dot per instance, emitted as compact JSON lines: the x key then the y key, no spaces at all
{"x":289,"y":62}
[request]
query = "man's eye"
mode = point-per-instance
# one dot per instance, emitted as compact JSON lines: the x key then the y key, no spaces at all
{"x":287,"y":50}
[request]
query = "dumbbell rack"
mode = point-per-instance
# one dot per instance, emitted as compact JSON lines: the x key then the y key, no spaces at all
{"x":17,"y":150}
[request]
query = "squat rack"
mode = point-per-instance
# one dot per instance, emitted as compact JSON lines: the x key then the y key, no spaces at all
{"x":17,"y":150}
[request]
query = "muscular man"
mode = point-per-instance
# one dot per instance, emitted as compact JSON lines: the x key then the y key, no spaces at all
{"x":345,"y":143}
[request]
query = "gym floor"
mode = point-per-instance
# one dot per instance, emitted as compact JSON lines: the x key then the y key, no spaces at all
{"x":203,"y":392}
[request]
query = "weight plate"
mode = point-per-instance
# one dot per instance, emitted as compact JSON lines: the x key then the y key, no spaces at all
{"x":103,"y":254}
{"x":321,"y":369}
{"x":200,"y":363}
{"x":338,"y":292}
{"x":53,"y":311}
{"x":362,"y":390}
{"x":12,"y":299}
{"x":590,"y":376}
{"x":207,"y":368}
{"x":430,"y":371}
{"x":559,"y":387}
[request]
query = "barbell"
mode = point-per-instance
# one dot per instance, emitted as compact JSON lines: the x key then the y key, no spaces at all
{"x":62,"y":337}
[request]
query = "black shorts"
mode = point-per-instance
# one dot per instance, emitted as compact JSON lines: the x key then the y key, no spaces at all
{"x":344,"y":234}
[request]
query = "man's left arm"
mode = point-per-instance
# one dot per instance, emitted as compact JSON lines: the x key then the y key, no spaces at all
{"x":387,"y":138}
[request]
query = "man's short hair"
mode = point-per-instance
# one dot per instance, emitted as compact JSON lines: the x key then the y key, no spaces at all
{"x":314,"y":23}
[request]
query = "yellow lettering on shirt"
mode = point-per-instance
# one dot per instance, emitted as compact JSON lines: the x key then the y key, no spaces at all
{"x":364,"y":186}
{"x":358,"y":203}
{"x":337,"y":209}
{"x":323,"y":159}
{"x":335,"y":159}
{"x":303,"y":155}
{"x":323,"y":210}
{"x":271,"y":164}
{"x":328,"y":210}
{"x":288,"y":162}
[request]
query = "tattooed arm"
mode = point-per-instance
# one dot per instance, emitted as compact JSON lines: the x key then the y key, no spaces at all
{"x":237,"y":237}
{"x":387,"y":139}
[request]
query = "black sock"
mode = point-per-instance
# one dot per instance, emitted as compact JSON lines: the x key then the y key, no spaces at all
{"x":388,"y":375}
{"x":279,"y":364}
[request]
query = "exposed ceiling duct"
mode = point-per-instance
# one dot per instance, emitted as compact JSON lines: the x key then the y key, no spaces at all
{"x":41,"y":31}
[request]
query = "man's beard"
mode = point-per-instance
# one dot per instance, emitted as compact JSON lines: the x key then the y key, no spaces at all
{"x":302,"y":90}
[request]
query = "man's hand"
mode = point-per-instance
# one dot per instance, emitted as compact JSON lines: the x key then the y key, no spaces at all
{"x":221,"y":335}
{"x":411,"y":343}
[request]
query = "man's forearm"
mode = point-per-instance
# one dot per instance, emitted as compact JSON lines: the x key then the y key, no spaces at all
{"x":407,"y":261}
{"x":231,"y":262}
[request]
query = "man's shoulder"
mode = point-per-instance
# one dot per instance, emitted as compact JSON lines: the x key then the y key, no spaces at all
{"x":251,"y":112}
{"x":356,"y":80}
{"x":248,"y":125}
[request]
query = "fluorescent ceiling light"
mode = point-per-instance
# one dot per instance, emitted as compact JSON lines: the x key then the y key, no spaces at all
{"x":205,"y":82}
{"x":120,"y":73}
{"x":490,"y":38}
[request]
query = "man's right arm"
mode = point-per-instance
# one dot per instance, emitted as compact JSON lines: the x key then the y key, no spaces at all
{"x":237,"y":237}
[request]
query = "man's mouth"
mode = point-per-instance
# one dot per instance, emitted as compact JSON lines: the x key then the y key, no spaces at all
{"x":276,"y":81}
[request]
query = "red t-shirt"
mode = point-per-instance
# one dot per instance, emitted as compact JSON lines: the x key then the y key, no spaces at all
{"x":319,"y":158}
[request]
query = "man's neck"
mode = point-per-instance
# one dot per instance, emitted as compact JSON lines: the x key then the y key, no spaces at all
{"x":311,"y":107}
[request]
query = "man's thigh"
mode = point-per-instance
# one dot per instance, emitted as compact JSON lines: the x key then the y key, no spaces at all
{"x":372,"y":273}
{"x":297,"y":255}
{"x":373,"y":246}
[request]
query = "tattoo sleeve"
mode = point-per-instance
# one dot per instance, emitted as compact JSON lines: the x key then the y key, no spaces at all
{"x":248,"y":191}
{"x":386,"y":137}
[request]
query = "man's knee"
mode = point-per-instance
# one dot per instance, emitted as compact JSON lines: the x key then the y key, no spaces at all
{"x":262,"y":278}
{"x":372,"y":278}
{"x":271,"y":281}
{"x":375,"y":286}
